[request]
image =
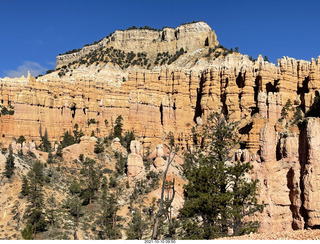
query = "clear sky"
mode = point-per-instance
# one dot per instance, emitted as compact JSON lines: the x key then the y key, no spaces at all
{"x":34,"y":32}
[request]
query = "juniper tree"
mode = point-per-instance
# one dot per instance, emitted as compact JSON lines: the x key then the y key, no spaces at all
{"x":218,"y":198}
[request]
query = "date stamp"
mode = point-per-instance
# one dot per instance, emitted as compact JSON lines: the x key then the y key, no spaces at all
{"x":159,"y":241}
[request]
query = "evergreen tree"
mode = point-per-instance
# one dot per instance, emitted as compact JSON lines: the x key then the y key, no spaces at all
{"x":27,"y":233}
{"x":121,"y":163}
{"x":110,"y":229}
{"x":77,"y":134}
{"x":217,"y":196}
{"x":67,"y":139}
{"x":75,"y":207}
{"x":99,"y":147}
{"x":117,"y":130}
{"x":50,"y":158}
{"x":59,"y":151}
{"x":91,"y":181}
{"x":128,"y":137}
{"x":34,"y":212}
{"x":21,"y":140}
{"x":136,"y":227}
{"x":25,"y":186}
{"x":45,"y":145}
{"x":75,"y":188}
{"x":51,"y":209}
{"x":74,"y":203}
{"x":9,"y":165}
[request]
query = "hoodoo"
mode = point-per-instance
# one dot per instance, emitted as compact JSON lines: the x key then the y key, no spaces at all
{"x":170,"y":80}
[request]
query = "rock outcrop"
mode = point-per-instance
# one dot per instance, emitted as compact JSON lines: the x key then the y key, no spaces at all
{"x":135,"y":165}
{"x":311,"y":173}
{"x":190,"y":37}
{"x":264,"y":97}
{"x":117,"y":147}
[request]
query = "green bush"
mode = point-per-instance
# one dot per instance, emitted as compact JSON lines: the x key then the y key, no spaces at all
{"x":91,"y":121}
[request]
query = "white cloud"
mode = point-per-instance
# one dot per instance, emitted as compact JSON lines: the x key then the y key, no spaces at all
{"x":34,"y":68}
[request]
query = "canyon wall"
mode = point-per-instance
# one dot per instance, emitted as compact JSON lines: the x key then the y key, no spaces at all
{"x":155,"y":102}
{"x":264,"y":97}
{"x":190,"y":37}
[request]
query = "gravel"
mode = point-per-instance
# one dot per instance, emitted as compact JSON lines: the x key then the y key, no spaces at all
{"x":283,"y":235}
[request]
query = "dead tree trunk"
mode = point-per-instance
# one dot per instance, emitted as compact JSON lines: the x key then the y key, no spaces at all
{"x":160,"y":211}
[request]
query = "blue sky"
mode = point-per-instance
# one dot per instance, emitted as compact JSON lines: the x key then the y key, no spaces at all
{"x":34,"y":32}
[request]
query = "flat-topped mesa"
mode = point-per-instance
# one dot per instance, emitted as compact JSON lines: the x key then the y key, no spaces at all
{"x":190,"y":37}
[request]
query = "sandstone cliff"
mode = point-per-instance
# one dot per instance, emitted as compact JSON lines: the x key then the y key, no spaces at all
{"x":190,"y":37}
{"x":156,"y":100}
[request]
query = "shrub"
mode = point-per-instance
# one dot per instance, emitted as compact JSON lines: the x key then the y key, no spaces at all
{"x":67,"y":140}
{"x":21,"y":140}
{"x":91,"y":121}
{"x":99,"y":147}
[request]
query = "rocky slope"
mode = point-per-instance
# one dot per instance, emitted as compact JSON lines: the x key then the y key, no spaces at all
{"x":138,"y":190}
{"x":100,"y":83}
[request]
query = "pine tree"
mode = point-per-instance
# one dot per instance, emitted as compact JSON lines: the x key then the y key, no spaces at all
{"x":91,"y":180}
{"x":121,"y":163}
{"x":75,"y":188}
{"x":34,"y":212}
{"x":50,"y":158}
{"x":128,"y":137}
{"x":45,"y":145}
{"x":117,"y":130}
{"x":59,"y":151}
{"x":77,"y":134}
{"x":75,"y":207}
{"x":51,"y":209}
{"x":25,"y":186}
{"x":21,"y":140}
{"x":27,"y":233}
{"x":74,"y":203}
{"x":136,"y":227}
{"x":67,"y":140}
{"x":99,"y":147}
{"x":217,"y":196}
{"x":110,"y":229}
{"x":9,"y":165}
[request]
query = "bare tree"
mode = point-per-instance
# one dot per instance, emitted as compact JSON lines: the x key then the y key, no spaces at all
{"x":165,"y":205}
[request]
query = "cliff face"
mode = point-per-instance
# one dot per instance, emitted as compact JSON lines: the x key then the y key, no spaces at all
{"x":190,"y":37}
{"x":167,"y":98}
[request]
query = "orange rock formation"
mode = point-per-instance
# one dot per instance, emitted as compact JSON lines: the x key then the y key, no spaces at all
{"x":174,"y":97}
